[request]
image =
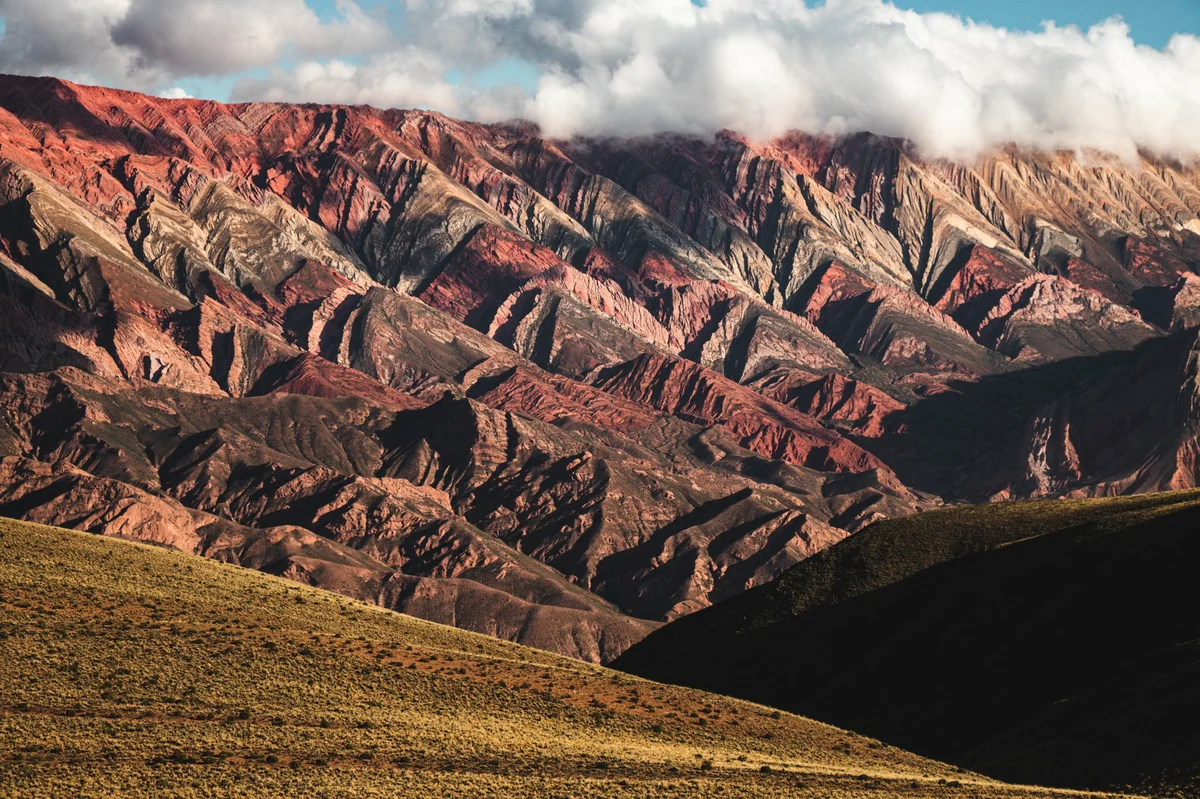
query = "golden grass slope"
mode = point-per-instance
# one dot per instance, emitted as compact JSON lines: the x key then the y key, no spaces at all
{"x":134,"y":671}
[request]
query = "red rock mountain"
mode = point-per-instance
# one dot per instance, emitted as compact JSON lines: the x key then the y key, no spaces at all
{"x":560,"y":392}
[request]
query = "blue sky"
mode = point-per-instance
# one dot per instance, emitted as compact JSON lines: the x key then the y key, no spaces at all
{"x":1153,"y":22}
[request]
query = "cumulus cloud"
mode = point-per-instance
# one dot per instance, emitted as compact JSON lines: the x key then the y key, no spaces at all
{"x":143,"y":44}
{"x":409,"y":77}
{"x":629,"y":67}
{"x":220,"y":37}
{"x":766,"y":66}
{"x":65,"y":37}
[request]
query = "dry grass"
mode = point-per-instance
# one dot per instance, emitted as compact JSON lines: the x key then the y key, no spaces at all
{"x":129,"y":670}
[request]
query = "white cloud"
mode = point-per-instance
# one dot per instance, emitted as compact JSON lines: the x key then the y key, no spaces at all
{"x":631,"y":67}
{"x":175,"y":93}
{"x":408,"y":78}
{"x":66,"y":37}
{"x":766,"y":66}
{"x":221,"y":37}
{"x":143,"y":44}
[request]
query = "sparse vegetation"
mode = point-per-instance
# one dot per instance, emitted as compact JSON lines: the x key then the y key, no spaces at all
{"x":132,"y":671}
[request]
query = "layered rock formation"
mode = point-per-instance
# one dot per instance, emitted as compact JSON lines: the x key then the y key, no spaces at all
{"x":562,"y":391}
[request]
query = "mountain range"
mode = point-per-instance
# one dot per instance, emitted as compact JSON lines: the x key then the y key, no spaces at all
{"x":562,"y":392}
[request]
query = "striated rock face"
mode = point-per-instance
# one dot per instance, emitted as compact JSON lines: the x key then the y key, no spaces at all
{"x":1131,"y":429}
{"x":688,"y":392}
{"x":555,"y":391}
{"x":893,"y":328}
{"x":849,"y":404}
{"x":1046,"y":316}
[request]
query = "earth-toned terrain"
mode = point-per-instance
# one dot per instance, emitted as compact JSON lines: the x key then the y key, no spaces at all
{"x":1053,"y":641}
{"x":562,"y":392}
{"x":135,"y":671}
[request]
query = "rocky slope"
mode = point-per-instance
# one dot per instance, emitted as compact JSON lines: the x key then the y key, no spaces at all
{"x":556,"y":391}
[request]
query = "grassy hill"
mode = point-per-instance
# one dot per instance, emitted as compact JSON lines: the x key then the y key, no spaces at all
{"x":130,"y":670}
{"x":1053,"y":641}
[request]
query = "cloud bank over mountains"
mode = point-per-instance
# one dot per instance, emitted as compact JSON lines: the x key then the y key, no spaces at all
{"x":630,"y":67}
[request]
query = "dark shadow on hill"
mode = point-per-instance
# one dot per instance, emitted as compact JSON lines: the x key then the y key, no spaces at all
{"x":966,"y":444}
{"x":1067,"y":658}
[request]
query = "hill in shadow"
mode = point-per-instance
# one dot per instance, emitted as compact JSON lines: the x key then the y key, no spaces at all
{"x":1052,"y":641}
